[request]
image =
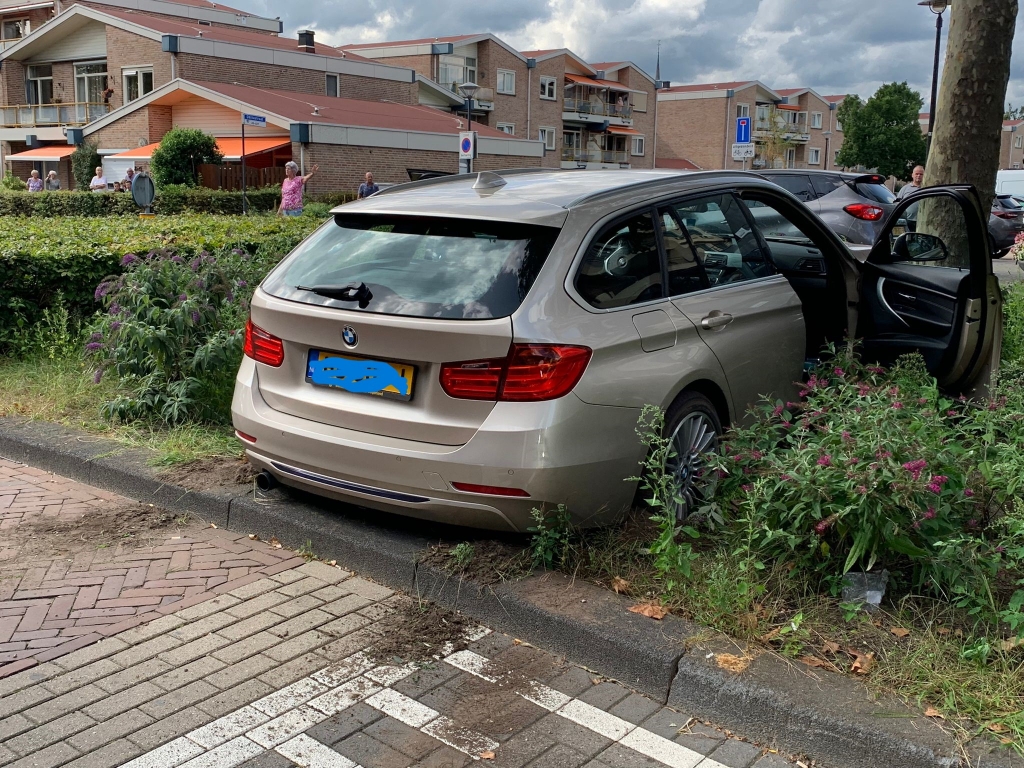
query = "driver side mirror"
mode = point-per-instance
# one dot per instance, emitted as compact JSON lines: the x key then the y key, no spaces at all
{"x":918,"y":247}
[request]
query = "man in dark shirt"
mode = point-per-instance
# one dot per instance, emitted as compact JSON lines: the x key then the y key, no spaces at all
{"x":367,"y":188}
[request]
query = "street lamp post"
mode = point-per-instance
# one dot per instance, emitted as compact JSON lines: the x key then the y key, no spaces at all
{"x":469,"y":91}
{"x":938,"y":7}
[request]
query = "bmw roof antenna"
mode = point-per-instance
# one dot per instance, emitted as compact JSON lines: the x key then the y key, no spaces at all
{"x":488,"y":180}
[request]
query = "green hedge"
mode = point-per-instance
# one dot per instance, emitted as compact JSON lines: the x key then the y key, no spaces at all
{"x":170,"y":200}
{"x":64,"y":259}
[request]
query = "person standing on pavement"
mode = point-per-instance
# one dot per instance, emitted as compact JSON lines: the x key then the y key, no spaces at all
{"x":35,"y":184}
{"x":916,"y":176}
{"x":99,"y":181}
{"x":367,"y":188}
{"x":52,"y":182}
{"x":292,"y":188}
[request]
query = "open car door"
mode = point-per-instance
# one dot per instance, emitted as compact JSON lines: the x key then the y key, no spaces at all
{"x":911,"y":302}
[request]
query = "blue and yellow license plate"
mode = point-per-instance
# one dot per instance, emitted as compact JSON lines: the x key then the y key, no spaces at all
{"x":360,"y":375}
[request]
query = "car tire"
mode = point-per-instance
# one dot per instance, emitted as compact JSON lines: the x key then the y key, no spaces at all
{"x":694,"y":426}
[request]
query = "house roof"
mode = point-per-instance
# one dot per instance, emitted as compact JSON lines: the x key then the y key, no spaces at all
{"x":615,"y":66}
{"x":594,"y":83}
{"x":211,"y":6}
{"x":734,"y":85}
{"x":550,"y":53}
{"x":791,"y":91}
{"x":418,"y":41}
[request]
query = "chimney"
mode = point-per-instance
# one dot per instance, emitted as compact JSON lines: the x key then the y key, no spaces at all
{"x":306,"y":41}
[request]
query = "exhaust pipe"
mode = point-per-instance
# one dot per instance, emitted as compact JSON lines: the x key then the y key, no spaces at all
{"x":266,"y":481}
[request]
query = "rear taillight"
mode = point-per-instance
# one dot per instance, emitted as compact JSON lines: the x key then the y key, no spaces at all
{"x":243,"y":436}
{"x":864,"y":211}
{"x":490,"y":490}
{"x":1011,"y":215}
{"x":262,"y":346}
{"x":529,"y":373}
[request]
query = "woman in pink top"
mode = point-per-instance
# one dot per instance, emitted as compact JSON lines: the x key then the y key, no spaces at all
{"x":291,"y":189}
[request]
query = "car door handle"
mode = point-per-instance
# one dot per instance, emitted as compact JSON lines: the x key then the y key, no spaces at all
{"x":710,"y":322}
{"x":906,"y":296}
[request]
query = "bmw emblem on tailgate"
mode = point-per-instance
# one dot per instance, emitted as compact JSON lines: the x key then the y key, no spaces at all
{"x":348,"y":335}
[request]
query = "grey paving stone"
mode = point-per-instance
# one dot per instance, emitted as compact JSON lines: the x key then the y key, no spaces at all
{"x":194,"y":670}
{"x":331,"y":593}
{"x":196,"y":629}
{"x":566,"y":733}
{"x":69,"y":702}
{"x":40,"y":674}
{"x":250,"y":626}
{"x":400,"y":736}
{"x":635,"y":708}
{"x":234,"y":674}
{"x":189,"y":651}
{"x":286,"y":674}
{"x":287,"y":577}
{"x":344,"y":724}
{"x":123,"y":701}
{"x":233,"y":698}
{"x":346,"y":604}
{"x":90,"y":653}
{"x":298,"y":645}
{"x":146,"y":650}
{"x":736,"y":754}
{"x":90,"y":673}
{"x":323,"y":571}
{"x":350,"y":643}
{"x":258,"y":604}
{"x":134,"y":675}
{"x":367,"y":589}
{"x":572,"y":682}
{"x":699,"y":740}
{"x":52,"y":756}
{"x":113,"y":754}
{"x":605,"y":695}
{"x":6,"y":756}
{"x":491,"y":644}
{"x":773,"y":761}
{"x":169,"y":703}
{"x":344,"y":625}
{"x":301,"y":587}
{"x":376,"y":611}
{"x":255,"y":589}
{"x":110,"y":730}
{"x":304,"y":622}
{"x":445,"y":757}
{"x":151,"y":629}
{"x":205,"y":608}
{"x":559,"y":756}
{"x":23,"y":699}
{"x":168,"y":728}
{"x":665,"y":722}
{"x":268,"y":760}
{"x":370,"y":753}
{"x":426,"y":679}
{"x":60,"y":729}
{"x":13,"y":725}
{"x":521,"y":749}
{"x":235,"y":652}
{"x":294,"y":606}
{"x":617,"y":756}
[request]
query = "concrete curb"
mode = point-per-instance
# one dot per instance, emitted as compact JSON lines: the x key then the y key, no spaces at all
{"x":822,"y":714}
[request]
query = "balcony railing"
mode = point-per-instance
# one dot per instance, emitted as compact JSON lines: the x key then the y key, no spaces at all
{"x":35,"y":115}
{"x":589,"y":107}
{"x":572,"y":154}
{"x":794,"y":128}
{"x":4,"y":43}
{"x":614,"y":156}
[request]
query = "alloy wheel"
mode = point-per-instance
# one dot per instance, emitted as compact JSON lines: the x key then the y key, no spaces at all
{"x":692,"y":439}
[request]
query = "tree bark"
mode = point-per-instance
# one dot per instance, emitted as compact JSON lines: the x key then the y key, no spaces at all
{"x":969,"y":113}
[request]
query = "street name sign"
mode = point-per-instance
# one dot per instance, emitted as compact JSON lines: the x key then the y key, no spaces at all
{"x":259,"y":121}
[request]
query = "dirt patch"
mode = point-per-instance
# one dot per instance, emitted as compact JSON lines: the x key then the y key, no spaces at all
{"x":132,"y":524}
{"x":210,"y":474}
{"x":419,"y":633}
{"x":484,"y":562}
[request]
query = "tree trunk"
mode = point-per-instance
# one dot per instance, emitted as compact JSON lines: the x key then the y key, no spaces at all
{"x":969,"y":113}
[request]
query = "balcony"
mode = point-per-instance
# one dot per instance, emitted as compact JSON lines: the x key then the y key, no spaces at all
{"x":42,"y":115}
{"x":5,"y":43}
{"x":598,"y":158}
{"x":795,"y":131}
{"x":596,"y":111}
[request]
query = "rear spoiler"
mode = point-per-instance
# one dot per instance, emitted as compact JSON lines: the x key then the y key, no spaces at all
{"x":868,"y":178}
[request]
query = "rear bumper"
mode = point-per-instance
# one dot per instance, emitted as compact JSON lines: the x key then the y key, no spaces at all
{"x":561,"y":452}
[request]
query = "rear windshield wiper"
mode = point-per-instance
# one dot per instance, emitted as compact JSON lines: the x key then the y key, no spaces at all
{"x":360,"y":293}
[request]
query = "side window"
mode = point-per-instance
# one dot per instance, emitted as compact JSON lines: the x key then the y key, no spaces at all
{"x":825,"y":183}
{"x":798,"y":185}
{"x":685,"y":272}
{"x":790,"y":248}
{"x":622,"y":265}
{"x":726,"y":246}
{"x":938,"y":233}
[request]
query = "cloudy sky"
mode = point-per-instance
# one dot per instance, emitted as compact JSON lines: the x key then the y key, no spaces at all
{"x":832,"y":46}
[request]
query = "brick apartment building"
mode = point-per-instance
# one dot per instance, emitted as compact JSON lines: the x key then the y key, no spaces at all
{"x":1011,"y":146}
{"x":697,"y":125}
{"x":587,"y":115}
{"x":122,"y":74}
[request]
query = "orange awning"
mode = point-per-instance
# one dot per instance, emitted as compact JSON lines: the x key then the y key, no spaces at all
{"x":623,"y":129}
{"x":51,"y":154}
{"x":788,"y":107}
{"x":231,"y":148}
{"x":593,"y":83}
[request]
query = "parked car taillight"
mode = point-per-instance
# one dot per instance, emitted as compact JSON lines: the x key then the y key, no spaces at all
{"x":864,"y":211}
{"x":263,"y":347}
{"x":529,"y":373}
{"x":1011,"y":215}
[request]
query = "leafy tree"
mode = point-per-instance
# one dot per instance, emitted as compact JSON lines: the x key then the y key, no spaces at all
{"x":84,"y":162}
{"x":776,"y":138}
{"x":884,"y":132}
{"x":181,"y":152}
{"x":1013,"y":113}
{"x":12,"y":183}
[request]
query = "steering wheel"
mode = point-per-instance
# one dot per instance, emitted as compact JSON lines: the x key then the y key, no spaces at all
{"x":615,"y":256}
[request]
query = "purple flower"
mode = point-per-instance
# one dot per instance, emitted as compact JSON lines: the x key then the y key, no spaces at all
{"x":968,"y":492}
{"x":1000,"y":550}
{"x":195,"y":316}
{"x":115,"y":309}
{"x":940,"y":479}
{"x":778,"y":411}
{"x":746,"y":488}
{"x":96,"y":337}
{"x":785,"y":478}
{"x":97,"y":376}
{"x":177,"y":259}
{"x":101,"y":290}
{"x":200,"y":284}
{"x":242,"y":283}
{"x":864,"y":389}
{"x":847,"y":436}
{"x":862,"y":489}
{"x":915,"y":467}
{"x":825,"y":461}
{"x":93,"y":346}
{"x":182,"y":297}
{"x":838,"y":372}
{"x":229,"y":296}
{"x":897,"y":406}
{"x":951,"y":413}
{"x":787,"y":424}
{"x":129,"y":258}
{"x":115,"y":325}
{"x":876,"y":369}
{"x":922,"y":401}
{"x":930,"y":514}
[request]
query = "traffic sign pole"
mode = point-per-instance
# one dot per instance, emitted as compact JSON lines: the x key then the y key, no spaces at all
{"x":245,"y":205}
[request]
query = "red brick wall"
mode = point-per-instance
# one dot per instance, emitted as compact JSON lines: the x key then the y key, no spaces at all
{"x":342,"y":168}
{"x":423,"y":64}
{"x":694,"y":129}
{"x":125,"y":49}
{"x":1009,"y":153}
{"x":642,"y":121}
{"x":507,"y":108}
{"x":126,"y":133}
{"x":545,"y":113}
{"x":194,"y":67}
{"x":160,"y":122}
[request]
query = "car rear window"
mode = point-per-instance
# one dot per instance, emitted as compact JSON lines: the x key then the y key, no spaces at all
{"x":1008,"y":203}
{"x":877,"y":192}
{"x":415,"y":266}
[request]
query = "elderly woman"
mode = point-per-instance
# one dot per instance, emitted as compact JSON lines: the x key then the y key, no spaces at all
{"x":52,"y":183}
{"x":292,"y":188}
{"x":35,"y":184}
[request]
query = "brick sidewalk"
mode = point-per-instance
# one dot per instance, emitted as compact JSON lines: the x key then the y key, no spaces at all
{"x":64,"y":584}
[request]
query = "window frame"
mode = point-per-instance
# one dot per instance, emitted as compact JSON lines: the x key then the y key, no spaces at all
{"x":742,"y":109}
{"x":814,"y":152}
{"x":1018,"y":142}
{"x":817,"y":119}
{"x":84,"y":78}
{"x":327,"y":84}
{"x":26,"y":29}
{"x":500,"y":75}
{"x":138,"y":72}
{"x":553,"y":82}
{"x":34,"y":83}
{"x":633,"y":145}
{"x":502,"y":126}
{"x":550,"y":133}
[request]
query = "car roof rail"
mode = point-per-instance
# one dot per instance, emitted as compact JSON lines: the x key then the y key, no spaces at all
{"x":662,"y":181}
{"x":462,"y":177}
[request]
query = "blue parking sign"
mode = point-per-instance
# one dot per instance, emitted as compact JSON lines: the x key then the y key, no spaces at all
{"x":742,"y":130}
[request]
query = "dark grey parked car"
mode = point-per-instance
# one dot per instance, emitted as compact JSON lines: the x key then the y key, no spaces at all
{"x":1005,"y":222}
{"x":853,"y":205}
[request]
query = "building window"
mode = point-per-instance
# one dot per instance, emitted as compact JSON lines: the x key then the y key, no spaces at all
{"x":639,"y":102}
{"x":815,"y":119}
{"x":742,"y":110}
{"x":332,"y":85}
{"x":547,"y":135}
{"x":507,"y":81}
{"x":90,"y":82}
{"x":137,"y":82}
{"x":1018,"y":142}
{"x":801,"y":120}
{"x":637,"y":148}
{"x":814,"y":157}
{"x":509,"y":128}
{"x":14,"y":29}
{"x":547,"y":87}
{"x":39,"y":84}
{"x":839,"y":126}
{"x":456,"y":70}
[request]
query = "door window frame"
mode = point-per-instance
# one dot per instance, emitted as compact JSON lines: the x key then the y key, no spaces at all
{"x":137,"y":72}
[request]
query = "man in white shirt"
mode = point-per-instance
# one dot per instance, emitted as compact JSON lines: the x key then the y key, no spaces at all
{"x":98,"y":183}
{"x":917,"y":176}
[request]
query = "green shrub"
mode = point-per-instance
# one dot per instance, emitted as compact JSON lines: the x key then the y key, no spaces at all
{"x":172,"y":199}
{"x":11,"y":183}
{"x":331,"y":199}
{"x":181,"y":152}
{"x":875,"y":469}
{"x":1013,"y":323}
{"x":84,"y":162}
{"x":176,"y":198}
{"x":60,"y":261}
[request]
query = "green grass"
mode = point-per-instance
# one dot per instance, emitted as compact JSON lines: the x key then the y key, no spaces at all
{"x":61,"y":390}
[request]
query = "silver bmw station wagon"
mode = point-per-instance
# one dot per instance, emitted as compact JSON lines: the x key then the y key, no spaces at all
{"x":471,"y":348}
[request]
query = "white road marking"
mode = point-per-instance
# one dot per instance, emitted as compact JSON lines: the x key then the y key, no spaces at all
{"x":661,"y":749}
{"x":310,"y":753}
{"x":235,"y":752}
{"x":402,"y":708}
{"x":344,"y":696}
{"x":169,"y":755}
{"x":544,"y":696}
{"x":281,"y":701}
{"x":445,"y":730}
{"x":389,"y":675}
{"x":471,"y":662}
{"x":596,"y":720}
{"x":228,"y":727}
{"x":286,"y":726}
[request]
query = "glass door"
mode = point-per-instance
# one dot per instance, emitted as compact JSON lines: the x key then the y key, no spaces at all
{"x":90,"y":82}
